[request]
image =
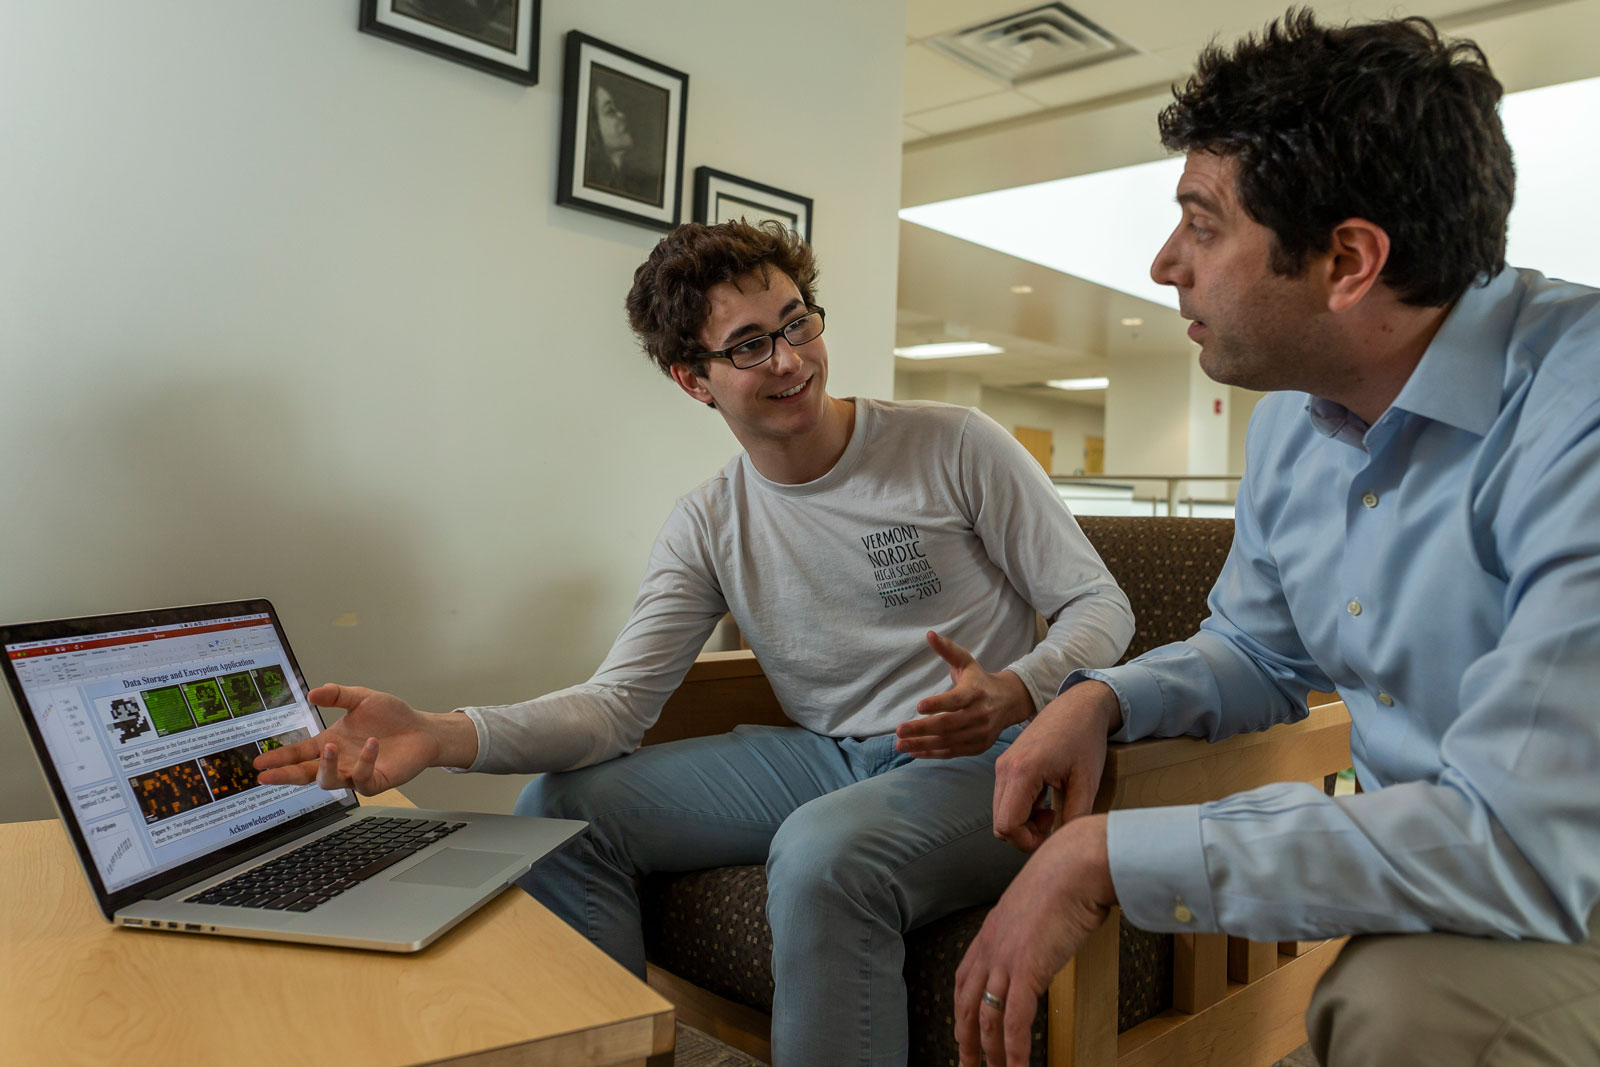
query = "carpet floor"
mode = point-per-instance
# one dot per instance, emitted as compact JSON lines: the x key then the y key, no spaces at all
{"x":696,"y":1049}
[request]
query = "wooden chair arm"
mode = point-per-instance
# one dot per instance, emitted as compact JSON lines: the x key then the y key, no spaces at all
{"x":722,"y":690}
{"x":1189,"y":770}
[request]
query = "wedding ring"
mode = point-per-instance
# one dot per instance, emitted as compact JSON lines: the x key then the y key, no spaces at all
{"x":997,"y":1003}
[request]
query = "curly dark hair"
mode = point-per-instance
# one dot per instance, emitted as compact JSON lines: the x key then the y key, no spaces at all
{"x":667,"y":305}
{"x":1384,"y":121}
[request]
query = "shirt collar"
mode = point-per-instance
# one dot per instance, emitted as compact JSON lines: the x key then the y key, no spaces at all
{"x":1462,"y":374}
{"x":1460,"y":377}
{"x":1336,"y":421}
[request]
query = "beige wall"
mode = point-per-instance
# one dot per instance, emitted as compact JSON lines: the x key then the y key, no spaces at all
{"x":1069,"y":423}
{"x":287,"y":310}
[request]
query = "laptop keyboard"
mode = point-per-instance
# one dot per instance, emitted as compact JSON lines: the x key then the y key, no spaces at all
{"x":315,"y":873}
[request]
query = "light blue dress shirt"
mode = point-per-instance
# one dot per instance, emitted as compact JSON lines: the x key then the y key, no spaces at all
{"x":1441,"y":569}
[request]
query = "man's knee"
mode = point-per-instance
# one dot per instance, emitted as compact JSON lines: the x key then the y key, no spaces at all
{"x":1383,"y":1002}
{"x":581,"y":794}
{"x":820,"y":850}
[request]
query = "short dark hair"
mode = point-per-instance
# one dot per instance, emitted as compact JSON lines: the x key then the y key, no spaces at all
{"x":1384,"y":121}
{"x":667,"y":305}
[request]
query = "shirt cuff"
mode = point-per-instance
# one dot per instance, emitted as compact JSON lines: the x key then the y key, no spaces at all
{"x":1158,"y":866}
{"x":1135,"y":687}
{"x":482,"y":727}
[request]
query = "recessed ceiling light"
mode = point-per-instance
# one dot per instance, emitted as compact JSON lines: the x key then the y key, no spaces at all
{"x":1022,"y":290}
{"x":1133,"y":322}
{"x":1077,"y":384}
{"x":946,"y":349}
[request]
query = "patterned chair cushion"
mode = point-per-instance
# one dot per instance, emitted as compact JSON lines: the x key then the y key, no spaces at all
{"x":710,"y":928}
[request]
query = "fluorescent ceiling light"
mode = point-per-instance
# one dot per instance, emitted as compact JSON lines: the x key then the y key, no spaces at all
{"x":1075,"y":384}
{"x":1107,"y":227}
{"x":946,"y":349}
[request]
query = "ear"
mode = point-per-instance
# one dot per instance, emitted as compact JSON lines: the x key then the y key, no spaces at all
{"x":691,"y":383}
{"x":1355,"y":258}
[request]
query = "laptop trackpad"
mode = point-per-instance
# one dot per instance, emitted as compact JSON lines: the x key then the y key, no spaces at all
{"x":462,"y":867}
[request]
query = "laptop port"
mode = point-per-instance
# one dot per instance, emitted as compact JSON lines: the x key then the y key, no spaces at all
{"x":191,"y":926}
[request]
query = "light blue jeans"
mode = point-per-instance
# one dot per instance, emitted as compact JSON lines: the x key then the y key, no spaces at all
{"x":861,"y":845}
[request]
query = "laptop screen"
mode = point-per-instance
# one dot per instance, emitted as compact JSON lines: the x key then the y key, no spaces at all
{"x":152,"y":729}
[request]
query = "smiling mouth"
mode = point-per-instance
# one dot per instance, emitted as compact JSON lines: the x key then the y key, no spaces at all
{"x":786,"y":394}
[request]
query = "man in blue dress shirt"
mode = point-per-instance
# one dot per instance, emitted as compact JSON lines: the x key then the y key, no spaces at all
{"x":1418,"y":527}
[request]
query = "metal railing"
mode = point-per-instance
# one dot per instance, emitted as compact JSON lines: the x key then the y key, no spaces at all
{"x":1170,"y":488}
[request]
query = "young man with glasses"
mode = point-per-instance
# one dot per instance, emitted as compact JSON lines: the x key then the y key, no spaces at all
{"x":846,"y":533}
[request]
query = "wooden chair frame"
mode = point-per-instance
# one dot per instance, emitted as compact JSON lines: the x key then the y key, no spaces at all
{"x":1236,"y":1003}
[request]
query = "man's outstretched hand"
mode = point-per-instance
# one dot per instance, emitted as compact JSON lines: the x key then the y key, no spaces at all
{"x":965,"y":719}
{"x":381,"y":742}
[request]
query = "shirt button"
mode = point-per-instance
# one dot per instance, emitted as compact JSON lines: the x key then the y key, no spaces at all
{"x":1370,"y":499}
{"x":1385,"y":699}
{"x":1182,"y":913}
{"x":1354,"y":607}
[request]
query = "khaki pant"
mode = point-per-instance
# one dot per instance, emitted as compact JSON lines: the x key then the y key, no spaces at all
{"x":1425,"y":999}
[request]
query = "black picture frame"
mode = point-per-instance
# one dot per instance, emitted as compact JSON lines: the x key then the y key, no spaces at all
{"x":721,"y":197}
{"x":632,"y":113}
{"x":499,"y":37}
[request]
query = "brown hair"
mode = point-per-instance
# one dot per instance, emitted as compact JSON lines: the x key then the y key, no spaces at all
{"x":667,"y":305}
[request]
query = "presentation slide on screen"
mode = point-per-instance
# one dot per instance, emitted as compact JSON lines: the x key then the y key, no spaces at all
{"x":154,"y":734}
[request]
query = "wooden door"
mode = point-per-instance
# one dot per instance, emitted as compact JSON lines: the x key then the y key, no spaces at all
{"x":1094,"y":455}
{"x":1041,"y":445}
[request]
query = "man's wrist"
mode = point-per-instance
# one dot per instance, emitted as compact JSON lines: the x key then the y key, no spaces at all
{"x":1103,"y":701}
{"x":457,"y":738}
{"x":1089,"y":845}
{"x":1021,"y":697}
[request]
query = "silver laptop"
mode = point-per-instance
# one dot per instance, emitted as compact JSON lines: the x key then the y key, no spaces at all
{"x":146,"y":724}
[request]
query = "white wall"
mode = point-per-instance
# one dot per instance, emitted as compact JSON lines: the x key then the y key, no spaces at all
{"x":1147,"y":415}
{"x":287,"y":310}
{"x":949,"y":387}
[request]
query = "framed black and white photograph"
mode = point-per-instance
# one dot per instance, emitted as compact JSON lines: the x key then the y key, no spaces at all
{"x":497,"y":36}
{"x":722,"y":197}
{"x":622,"y":123}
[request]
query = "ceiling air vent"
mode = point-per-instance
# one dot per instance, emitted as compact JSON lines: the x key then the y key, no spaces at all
{"x":1035,"y":43}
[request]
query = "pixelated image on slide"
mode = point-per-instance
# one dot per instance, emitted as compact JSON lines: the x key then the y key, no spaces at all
{"x":128,"y":720}
{"x":288,"y":737}
{"x":274,"y":686}
{"x":230,"y":771}
{"x":169,"y":791}
{"x":241,"y":693}
{"x":205,"y":700}
{"x":168,"y":710}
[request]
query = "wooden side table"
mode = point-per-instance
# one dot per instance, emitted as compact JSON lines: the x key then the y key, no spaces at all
{"x":511,"y":984}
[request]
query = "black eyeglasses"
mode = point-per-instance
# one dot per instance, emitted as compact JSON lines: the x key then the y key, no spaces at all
{"x":757,"y":350}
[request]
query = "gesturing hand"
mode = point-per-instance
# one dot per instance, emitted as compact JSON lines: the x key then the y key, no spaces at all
{"x":965,"y":719}
{"x":381,"y":742}
{"x":1044,"y":917}
{"x":1064,"y":748}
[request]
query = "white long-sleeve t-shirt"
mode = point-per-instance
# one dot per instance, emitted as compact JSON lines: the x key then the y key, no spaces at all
{"x":934,"y":518}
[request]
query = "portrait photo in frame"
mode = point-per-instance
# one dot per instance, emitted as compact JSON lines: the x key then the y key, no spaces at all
{"x":721,"y":197}
{"x":622,"y":122}
{"x":499,"y":37}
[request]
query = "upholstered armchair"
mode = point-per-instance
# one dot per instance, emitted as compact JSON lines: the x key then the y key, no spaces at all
{"x":1130,"y":997}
